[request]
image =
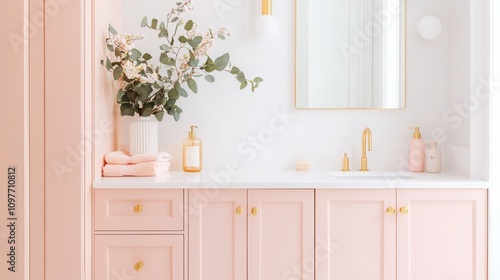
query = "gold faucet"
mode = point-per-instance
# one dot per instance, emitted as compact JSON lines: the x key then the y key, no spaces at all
{"x":364,"y":160}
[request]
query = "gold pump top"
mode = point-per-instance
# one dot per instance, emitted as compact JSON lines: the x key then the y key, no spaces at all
{"x":192,"y":133}
{"x":416,"y":133}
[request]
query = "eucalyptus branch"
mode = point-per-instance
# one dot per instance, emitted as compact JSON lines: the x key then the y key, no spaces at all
{"x":143,"y":90}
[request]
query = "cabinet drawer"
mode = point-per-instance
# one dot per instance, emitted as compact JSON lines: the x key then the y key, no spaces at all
{"x":139,"y":257}
{"x":139,"y":209}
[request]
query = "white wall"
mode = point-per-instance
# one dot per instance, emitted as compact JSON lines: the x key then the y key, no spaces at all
{"x":227,"y":117}
{"x":494,"y":193}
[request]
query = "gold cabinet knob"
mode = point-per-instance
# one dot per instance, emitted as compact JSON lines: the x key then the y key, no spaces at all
{"x":138,"y":208}
{"x":403,"y":210}
{"x":255,"y":211}
{"x":138,"y":266}
{"x":239,"y":210}
{"x":391,"y":210}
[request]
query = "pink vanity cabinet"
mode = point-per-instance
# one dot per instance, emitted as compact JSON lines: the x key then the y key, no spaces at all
{"x":251,"y":234}
{"x":404,"y":234}
{"x":139,"y":234}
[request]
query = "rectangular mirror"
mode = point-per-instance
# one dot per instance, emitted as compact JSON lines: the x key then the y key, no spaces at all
{"x":350,"y":54}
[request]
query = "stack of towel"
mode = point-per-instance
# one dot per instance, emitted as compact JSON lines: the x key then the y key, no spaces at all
{"x":119,"y":164}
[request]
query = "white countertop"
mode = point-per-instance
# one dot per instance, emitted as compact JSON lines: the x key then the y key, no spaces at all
{"x":290,"y":180}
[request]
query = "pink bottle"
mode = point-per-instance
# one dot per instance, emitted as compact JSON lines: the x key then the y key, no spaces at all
{"x":417,"y":152}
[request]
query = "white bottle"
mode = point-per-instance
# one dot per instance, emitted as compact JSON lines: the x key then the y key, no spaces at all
{"x":433,"y":158}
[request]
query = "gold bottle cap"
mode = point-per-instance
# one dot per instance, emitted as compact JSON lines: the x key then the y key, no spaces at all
{"x":345,"y":163}
{"x":416,"y":133}
{"x":192,"y":133}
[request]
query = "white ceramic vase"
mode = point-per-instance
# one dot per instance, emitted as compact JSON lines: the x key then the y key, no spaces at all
{"x":143,"y":137}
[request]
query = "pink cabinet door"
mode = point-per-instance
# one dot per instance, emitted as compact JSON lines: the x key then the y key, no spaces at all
{"x":281,"y":234}
{"x":356,"y":234}
{"x":217,"y":234}
{"x":442,"y":234}
{"x":139,"y":257}
{"x":139,"y":210}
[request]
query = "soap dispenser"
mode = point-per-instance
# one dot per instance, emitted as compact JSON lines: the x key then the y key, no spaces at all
{"x":191,"y":152}
{"x":417,"y":152}
{"x":433,"y":158}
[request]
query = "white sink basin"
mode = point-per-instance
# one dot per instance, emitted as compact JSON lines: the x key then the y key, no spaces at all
{"x":380,"y":175}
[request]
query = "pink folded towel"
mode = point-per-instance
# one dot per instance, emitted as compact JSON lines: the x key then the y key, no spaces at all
{"x":144,"y":169}
{"x":159,"y":157}
{"x":119,"y":157}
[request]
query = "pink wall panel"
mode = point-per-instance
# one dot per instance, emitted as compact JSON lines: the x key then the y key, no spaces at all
{"x":37,"y":144}
{"x":66,"y":149}
{"x":13,"y":141}
{"x":106,"y":124}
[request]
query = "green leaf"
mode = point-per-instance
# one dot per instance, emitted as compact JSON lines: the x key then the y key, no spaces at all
{"x":174,"y":19}
{"x":117,"y":72}
{"x":135,"y":55}
{"x":258,"y":80}
{"x":193,"y":62}
{"x":182,"y":39}
{"x":111,"y":48}
{"x":173,"y":94}
{"x":222,"y":62}
{"x":154,"y":23}
{"x":195,"y":41}
{"x":147,"y":56}
{"x":126,"y":109}
{"x":170,"y":102}
{"x":189,"y":25}
{"x":192,"y":85}
{"x":119,"y":95}
{"x":182,"y":92}
{"x":144,"y":22}
{"x":112,"y":30}
{"x":163,"y":33}
{"x":241,"y":77}
{"x":177,"y":113}
{"x":143,"y":93}
{"x":169,"y":73}
{"x":162,"y":25}
{"x":235,"y":70}
{"x":108,"y":64}
{"x":165,"y":59}
{"x":222,"y":37}
{"x":159,"y":115}
{"x":243,"y":84}
{"x":146,"y":112}
{"x":210,"y":68}
{"x":160,"y":101}
{"x":165,"y":48}
{"x":210,"y":78}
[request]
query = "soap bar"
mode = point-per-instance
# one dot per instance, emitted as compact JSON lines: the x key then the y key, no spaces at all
{"x":302,"y":165}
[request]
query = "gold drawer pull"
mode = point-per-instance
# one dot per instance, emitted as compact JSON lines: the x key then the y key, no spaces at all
{"x":403,"y":210}
{"x":138,"y":266}
{"x":390,"y":210}
{"x":138,"y":208}
{"x":239,"y":210}
{"x":255,"y":211}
